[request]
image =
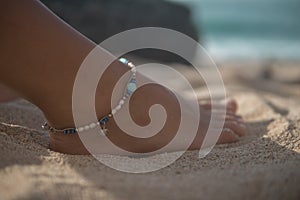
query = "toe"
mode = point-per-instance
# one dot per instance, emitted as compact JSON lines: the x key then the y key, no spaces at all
{"x":227,"y":136}
{"x":237,"y":127}
{"x":231,"y":105}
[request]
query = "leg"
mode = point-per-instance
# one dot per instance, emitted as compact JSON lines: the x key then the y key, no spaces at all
{"x":49,"y":54}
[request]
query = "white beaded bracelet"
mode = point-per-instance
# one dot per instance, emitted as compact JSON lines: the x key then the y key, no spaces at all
{"x":130,"y":88}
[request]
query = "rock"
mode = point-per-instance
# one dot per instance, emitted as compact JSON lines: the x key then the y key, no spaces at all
{"x":100,"y":19}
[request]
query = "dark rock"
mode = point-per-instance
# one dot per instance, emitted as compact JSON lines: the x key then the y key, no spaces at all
{"x":100,"y":19}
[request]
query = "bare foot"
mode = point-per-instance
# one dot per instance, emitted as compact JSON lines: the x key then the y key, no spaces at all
{"x":47,"y":82}
{"x":140,"y":103}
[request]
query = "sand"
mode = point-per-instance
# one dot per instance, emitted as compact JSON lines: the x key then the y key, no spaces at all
{"x":265,"y":164}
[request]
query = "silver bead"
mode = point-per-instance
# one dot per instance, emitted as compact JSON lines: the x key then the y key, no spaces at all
{"x":118,"y":107}
{"x":131,"y":65}
{"x":93,"y":125}
{"x":133,"y":70}
{"x":121,"y":102}
{"x":80,"y":129}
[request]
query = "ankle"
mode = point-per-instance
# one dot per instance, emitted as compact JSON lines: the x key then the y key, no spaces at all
{"x":58,"y":107}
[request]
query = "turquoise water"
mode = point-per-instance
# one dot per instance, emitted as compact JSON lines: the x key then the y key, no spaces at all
{"x":248,"y":28}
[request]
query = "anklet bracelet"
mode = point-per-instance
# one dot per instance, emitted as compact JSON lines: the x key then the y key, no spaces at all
{"x":130,"y":88}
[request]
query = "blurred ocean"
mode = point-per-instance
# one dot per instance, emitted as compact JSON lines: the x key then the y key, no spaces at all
{"x":247,"y":29}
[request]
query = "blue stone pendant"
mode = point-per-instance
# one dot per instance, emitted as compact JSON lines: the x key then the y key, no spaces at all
{"x":131,"y":86}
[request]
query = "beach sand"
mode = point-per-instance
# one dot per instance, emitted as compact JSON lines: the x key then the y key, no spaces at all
{"x":265,"y":164}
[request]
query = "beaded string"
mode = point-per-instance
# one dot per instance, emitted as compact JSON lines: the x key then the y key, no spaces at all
{"x":130,"y":88}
